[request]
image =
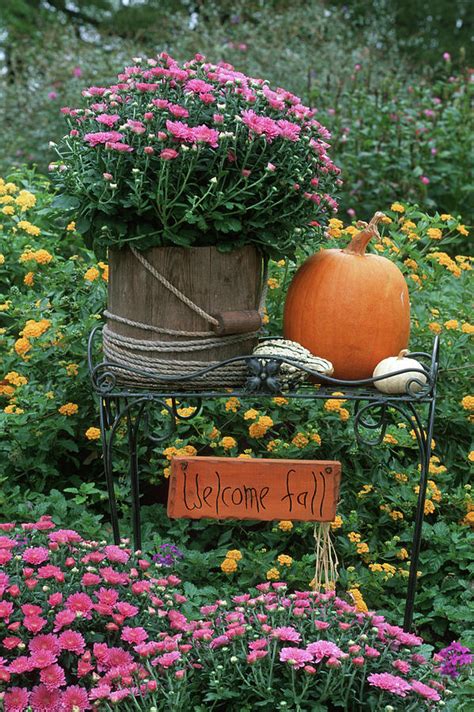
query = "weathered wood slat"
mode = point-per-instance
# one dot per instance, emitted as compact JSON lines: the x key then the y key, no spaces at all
{"x":215,"y":281}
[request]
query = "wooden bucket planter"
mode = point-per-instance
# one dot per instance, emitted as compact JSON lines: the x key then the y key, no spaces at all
{"x":144,"y":316}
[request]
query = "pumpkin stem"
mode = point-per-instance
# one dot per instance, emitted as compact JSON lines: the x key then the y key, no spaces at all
{"x":361,"y":239}
{"x":403,"y":353}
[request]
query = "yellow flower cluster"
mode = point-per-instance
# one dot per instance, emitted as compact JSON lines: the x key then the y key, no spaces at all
{"x":279,"y":400}
{"x":251,"y":414}
{"x":446,"y":261}
{"x":388,"y":569}
{"x":233,"y":404}
{"x":432,"y":491}
{"x":395,"y":514}
{"x":72,"y":369}
{"x":468,"y":402}
{"x":13,"y":409}
{"x":462,"y":229}
{"x":273,"y":574}
{"x":172,"y":451}
{"x":229,"y":565}
{"x":397,"y":208}
{"x":390,"y":439}
{"x":468,"y":519}
{"x":358,"y":599}
{"x":300,"y":440}
{"x":467,"y":328}
{"x":259,"y":429}
{"x":92,"y":433}
{"x":434,"y":468}
{"x":451,"y":324}
{"x":333,"y":405}
{"x":228,"y":443}
{"x":402,"y":554}
{"x":336,"y":227}
{"x":354,"y":537}
{"x":7,"y":187}
{"x":15,"y":379}
{"x":362,"y":548}
{"x":285,"y":525}
{"x":68,"y":409}
{"x":34,"y":329}
{"x":284,"y":560}
{"x":41,"y":257}
{"x":434,"y":233}
{"x":29,"y":228}
{"x":186,"y":412}
{"x":25,"y":200}
{"x":22,"y":346}
{"x":365,"y":490}
{"x":273,"y":283}
{"x":29,"y":279}
{"x":8,"y":210}
{"x":400,"y":476}
{"x":91,"y":274}
{"x":337,"y":522}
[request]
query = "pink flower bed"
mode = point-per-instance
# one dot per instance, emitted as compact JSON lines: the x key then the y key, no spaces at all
{"x":86,"y":625}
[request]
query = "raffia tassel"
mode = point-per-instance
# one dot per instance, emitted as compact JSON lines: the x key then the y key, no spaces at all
{"x":326,"y":566}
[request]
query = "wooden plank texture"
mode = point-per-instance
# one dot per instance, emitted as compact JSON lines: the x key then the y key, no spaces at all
{"x":261,"y":489}
{"x":215,"y":281}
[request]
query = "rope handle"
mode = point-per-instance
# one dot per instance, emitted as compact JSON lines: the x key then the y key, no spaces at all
{"x":183,"y":298}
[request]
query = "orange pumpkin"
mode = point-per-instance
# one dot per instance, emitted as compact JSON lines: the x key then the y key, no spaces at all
{"x":349,"y":307}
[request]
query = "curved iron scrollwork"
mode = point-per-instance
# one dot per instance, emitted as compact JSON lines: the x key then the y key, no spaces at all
{"x":372,"y":416}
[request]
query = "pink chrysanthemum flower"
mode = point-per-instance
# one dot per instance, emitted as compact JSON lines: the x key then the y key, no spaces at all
{"x":166,"y":660}
{"x":94,"y":139}
{"x":73,"y":641}
{"x":424,"y":690}
{"x":43,"y":659}
{"x":134,"y":636}
{"x":79,"y":603}
{"x":286,"y":633}
{"x":53,"y":676}
{"x":324,"y":649}
{"x":47,"y":642}
{"x":114,"y":553}
{"x":65,"y":536}
{"x":107,"y":119}
{"x":74,"y":699}
{"x":36,"y":555}
{"x":44,"y":700}
{"x":168,"y":154}
{"x":391,"y":683}
{"x":15,"y":699}
{"x":295,"y":657}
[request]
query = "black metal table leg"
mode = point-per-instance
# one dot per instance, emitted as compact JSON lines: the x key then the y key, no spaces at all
{"x":107,"y":449}
{"x":425,"y":454}
{"x":132,"y":429}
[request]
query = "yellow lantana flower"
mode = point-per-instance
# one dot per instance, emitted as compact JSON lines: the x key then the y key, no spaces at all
{"x":68,"y":409}
{"x":397,"y":208}
{"x":92,"y":433}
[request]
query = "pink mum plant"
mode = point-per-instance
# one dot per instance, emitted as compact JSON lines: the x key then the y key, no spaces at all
{"x":194,"y":154}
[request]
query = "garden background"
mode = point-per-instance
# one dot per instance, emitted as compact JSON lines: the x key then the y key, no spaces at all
{"x":392,"y":82}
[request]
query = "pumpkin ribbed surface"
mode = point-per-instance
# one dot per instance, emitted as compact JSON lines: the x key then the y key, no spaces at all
{"x":352,"y":309}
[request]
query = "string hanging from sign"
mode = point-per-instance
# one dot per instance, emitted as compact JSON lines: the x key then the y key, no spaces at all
{"x":327,"y":563}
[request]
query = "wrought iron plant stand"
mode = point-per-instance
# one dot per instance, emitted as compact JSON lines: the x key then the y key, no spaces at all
{"x":132,"y":406}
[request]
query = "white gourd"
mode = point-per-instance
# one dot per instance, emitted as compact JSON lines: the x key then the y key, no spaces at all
{"x":401,"y":382}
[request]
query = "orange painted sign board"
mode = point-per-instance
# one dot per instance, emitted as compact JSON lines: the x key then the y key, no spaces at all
{"x":261,"y":489}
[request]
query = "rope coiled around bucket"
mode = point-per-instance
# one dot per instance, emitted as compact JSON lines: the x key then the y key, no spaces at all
{"x":146,"y":356}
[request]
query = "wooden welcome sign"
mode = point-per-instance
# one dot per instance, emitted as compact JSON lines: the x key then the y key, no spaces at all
{"x":264,"y":489}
